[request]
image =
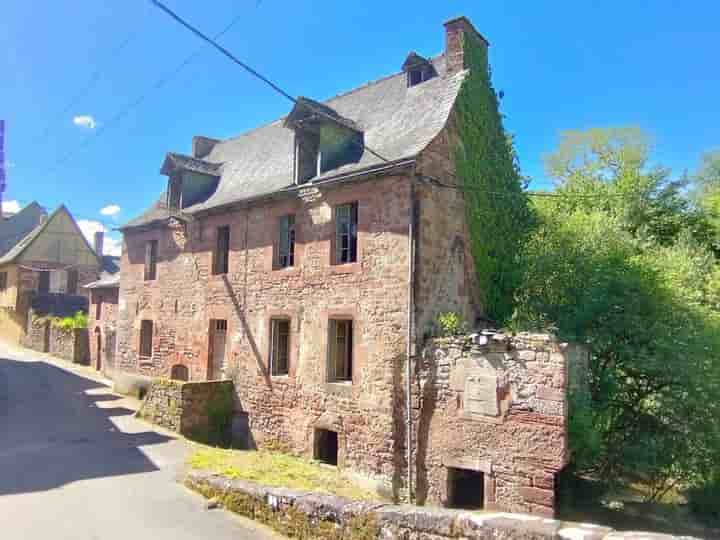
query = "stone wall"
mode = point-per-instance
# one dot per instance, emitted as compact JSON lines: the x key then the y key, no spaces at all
{"x":198,"y":410}
{"x":318,"y":516}
{"x":494,"y":404}
{"x":286,"y":410}
{"x":71,"y":345}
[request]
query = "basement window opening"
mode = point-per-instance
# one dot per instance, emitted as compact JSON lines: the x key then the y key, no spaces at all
{"x":466,"y":489}
{"x":326,"y":446}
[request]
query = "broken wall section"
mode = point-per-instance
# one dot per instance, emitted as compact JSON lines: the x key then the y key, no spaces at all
{"x":490,"y":416}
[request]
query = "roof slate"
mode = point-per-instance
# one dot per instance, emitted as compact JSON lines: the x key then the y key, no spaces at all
{"x":15,"y":228}
{"x":398,"y":123}
{"x":110,"y":274}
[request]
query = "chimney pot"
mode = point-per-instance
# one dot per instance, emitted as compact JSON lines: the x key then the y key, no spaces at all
{"x":202,"y":146}
{"x":457,"y":30}
{"x":99,"y":240}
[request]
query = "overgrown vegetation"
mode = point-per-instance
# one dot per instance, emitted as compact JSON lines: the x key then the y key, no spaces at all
{"x":77,"y":321}
{"x":624,"y":258}
{"x":450,"y":324}
{"x":499,"y":215}
{"x":277,"y":469}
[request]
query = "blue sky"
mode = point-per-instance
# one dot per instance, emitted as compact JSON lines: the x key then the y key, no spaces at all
{"x":562,"y":65}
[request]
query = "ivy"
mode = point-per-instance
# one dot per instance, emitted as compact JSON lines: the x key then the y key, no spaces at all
{"x":498,"y":211}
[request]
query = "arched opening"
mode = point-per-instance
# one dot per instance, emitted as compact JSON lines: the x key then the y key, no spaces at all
{"x":179,"y":373}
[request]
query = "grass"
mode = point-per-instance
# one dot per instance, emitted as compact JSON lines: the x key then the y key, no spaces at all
{"x":278,"y":470}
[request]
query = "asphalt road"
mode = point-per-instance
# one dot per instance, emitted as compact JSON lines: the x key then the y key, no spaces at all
{"x":74,"y":464}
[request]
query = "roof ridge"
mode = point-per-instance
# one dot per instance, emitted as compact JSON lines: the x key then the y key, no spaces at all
{"x":327,"y":100}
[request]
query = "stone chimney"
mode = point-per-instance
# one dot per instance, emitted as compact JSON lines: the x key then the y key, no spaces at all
{"x":99,"y":240}
{"x":456,"y":32}
{"x":202,"y":146}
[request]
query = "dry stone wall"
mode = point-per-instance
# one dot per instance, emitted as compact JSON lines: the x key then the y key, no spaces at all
{"x":42,"y":336}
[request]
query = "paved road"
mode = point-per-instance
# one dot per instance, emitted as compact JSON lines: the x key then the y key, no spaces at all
{"x":74,"y":464}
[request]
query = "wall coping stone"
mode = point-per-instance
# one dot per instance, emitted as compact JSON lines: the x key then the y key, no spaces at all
{"x":438,"y":522}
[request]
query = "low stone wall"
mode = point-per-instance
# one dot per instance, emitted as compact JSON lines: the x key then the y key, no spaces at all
{"x":198,"y":410}
{"x":71,"y":345}
{"x":303,"y":515}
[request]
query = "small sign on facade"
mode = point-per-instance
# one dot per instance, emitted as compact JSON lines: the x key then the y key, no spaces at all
{"x":481,"y":395}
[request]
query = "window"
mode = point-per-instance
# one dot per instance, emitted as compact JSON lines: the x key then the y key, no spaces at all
{"x":3,"y":281}
{"x":179,"y":373}
{"x":280,"y":346}
{"x":98,"y":307}
{"x":44,"y":282}
{"x":151,"y":249}
{"x":72,"y":281}
{"x":222,"y":250}
{"x":346,"y":217}
{"x":286,"y":243}
{"x":146,"y":338}
{"x":340,"y":348}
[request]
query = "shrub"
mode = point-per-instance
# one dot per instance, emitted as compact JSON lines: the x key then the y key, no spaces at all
{"x":704,"y":501}
{"x":450,"y":324}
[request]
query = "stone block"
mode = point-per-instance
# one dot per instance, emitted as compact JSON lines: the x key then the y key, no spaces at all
{"x":535,"y":495}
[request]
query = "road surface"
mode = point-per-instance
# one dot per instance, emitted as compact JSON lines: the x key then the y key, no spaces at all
{"x":74,"y":464}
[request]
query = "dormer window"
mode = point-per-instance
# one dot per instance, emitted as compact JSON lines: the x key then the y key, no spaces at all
{"x":324,"y":140}
{"x":190,"y":180}
{"x":417,"y":69}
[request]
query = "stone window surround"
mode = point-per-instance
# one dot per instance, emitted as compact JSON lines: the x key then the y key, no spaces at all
{"x":348,"y":313}
{"x":274,"y":213}
{"x":293,"y":339}
{"x":349,"y":267}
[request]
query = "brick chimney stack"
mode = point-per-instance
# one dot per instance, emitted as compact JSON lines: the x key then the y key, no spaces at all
{"x":99,"y":240}
{"x":457,"y":30}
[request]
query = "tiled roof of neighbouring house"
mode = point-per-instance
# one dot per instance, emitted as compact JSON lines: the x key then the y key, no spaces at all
{"x":397,"y":121}
{"x":19,"y":226}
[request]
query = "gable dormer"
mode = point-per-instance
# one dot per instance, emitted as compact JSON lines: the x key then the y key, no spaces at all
{"x":190,"y":180}
{"x":417,"y":69}
{"x":324,"y":140}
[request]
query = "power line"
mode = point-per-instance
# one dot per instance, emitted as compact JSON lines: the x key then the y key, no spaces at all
{"x":255,"y":73}
{"x":94,"y":78}
{"x":140,"y":99}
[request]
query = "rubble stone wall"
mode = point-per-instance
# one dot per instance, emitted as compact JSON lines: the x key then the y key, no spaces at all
{"x":199,"y":410}
{"x":71,"y":345}
{"x":496,"y":404}
{"x":318,"y":516}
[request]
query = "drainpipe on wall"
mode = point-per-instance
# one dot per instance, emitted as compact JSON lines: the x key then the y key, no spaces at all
{"x":410,"y":321}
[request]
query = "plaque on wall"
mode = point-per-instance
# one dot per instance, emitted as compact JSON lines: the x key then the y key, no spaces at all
{"x":481,"y":396}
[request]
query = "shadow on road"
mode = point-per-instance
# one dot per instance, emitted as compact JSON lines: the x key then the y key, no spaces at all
{"x":52,"y":432}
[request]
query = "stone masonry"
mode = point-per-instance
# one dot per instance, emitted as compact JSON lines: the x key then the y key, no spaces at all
{"x":495,"y":404}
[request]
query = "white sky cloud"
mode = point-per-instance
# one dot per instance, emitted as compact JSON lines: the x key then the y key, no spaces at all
{"x":11,"y":206}
{"x":110,"y":210}
{"x":111,"y":245}
{"x":85,"y":120}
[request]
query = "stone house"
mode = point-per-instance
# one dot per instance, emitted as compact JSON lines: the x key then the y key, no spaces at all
{"x":44,"y":263}
{"x":308,"y":260}
{"x":102,"y":313}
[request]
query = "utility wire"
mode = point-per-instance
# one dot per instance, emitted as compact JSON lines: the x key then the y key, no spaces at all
{"x":94,"y":78}
{"x":253,"y":72}
{"x":141,"y":98}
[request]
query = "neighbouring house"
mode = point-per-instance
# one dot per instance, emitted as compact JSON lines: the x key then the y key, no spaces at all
{"x":308,"y":260}
{"x":102,"y":315}
{"x":45,"y":261}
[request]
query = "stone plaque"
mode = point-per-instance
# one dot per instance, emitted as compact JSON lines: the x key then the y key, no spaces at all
{"x":481,"y":396}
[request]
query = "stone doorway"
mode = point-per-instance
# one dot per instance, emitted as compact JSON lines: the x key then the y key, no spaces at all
{"x":326,"y":446}
{"x":218,"y":341}
{"x":466,"y":489}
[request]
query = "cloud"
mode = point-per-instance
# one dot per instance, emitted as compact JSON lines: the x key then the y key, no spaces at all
{"x":110,"y":210}
{"x":111,"y":245}
{"x":85,"y":120}
{"x":12,"y":207}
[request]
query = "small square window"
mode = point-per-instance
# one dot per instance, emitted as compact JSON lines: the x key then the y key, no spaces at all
{"x":280,"y":346}
{"x":340,"y":350}
{"x":286,"y":242}
{"x":346,"y":220}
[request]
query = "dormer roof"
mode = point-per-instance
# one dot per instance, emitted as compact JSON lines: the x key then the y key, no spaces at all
{"x":176,"y":162}
{"x":307,"y":111}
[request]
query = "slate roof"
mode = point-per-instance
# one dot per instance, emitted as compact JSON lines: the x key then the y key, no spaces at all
{"x":17,"y":227}
{"x":398,"y":122}
{"x":189,"y":163}
{"x":109,"y":275}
